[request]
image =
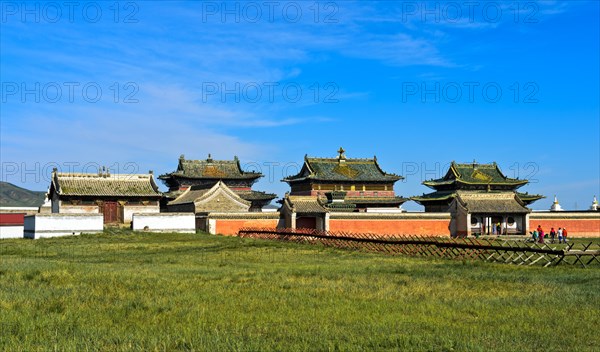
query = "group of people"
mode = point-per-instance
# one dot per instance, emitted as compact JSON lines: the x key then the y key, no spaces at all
{"x":539,"y":234}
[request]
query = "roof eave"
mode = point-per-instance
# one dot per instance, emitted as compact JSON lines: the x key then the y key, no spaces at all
{"x":426,"y":200}
{"x":517,"y":183}
{"x":294,"y":180}
{"x":438,"y":182}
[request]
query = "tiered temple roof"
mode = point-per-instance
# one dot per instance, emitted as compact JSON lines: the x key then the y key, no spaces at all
{"x":349,"y":184}
{"x":472,"y":177}
{"x":208,"y":169}
{"x":204,"y":174}
{"x":341,"y":169}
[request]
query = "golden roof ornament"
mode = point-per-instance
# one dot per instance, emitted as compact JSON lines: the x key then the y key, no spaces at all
{"x":342,"y":155}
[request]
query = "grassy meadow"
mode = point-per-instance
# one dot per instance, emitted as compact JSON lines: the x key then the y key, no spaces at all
{"x":122,"y":291}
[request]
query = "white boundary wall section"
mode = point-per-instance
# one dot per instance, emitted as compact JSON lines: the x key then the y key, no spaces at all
{"x":165,"y":222}
{"x":55,"y":225}
{"x":129,"y":210}
{"x":11,"y":232}
{"x":26,"y":210}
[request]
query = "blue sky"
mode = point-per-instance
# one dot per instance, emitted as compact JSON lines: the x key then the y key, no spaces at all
{"x":134,"y":84}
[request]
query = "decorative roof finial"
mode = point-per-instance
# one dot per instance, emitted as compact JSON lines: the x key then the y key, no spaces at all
{"x":341,"y":155}
{"x":209,"y":159}
{"x":182,"y":157}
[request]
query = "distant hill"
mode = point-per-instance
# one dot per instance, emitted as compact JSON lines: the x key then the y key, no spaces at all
{"x":14,"y":196}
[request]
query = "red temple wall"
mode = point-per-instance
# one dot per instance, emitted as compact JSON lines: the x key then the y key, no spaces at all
{"x":230,"y":227}
{"x":12,"y":219}
{"x":575,"y":227}
{"x":436,"y":227}
{"x":582,"y":226}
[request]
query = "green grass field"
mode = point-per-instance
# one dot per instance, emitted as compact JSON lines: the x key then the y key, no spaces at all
{"x":124,"y":291}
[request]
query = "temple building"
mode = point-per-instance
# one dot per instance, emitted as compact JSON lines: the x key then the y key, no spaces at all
{"x":481,"y":198}
{"x":219,"y":198}
{"x":205,"y":178}
{"x":338,"y":184}
{"x":115,"y":196}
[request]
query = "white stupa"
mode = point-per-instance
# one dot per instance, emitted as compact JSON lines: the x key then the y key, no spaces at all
{"x":594,"y":205}
{"x":555,"y":206}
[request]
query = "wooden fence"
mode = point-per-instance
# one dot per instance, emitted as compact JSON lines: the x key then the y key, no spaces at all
{"x":492,"y":250}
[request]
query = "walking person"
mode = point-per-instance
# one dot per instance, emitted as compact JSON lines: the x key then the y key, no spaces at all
{"x":560,"y":235}
{"x":565,"y":234}
{"x":498,"y":229}
{"x":540,"y":234}
{"x":552,"y":235}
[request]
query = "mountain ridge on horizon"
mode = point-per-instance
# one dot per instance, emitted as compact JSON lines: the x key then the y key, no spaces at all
{"x":15,"y":196}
